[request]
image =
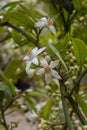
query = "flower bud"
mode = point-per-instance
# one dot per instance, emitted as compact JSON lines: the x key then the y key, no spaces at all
{"x":47,"y":87}
{"x":74,"y":78}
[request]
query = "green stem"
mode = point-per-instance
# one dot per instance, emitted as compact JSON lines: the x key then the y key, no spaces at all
{"x":4,"y":120}
{"x":6,"y":38}
{"x":77,"y":110}
{"x":76,"y":85}
{"x":20,"y":31}
{"x":65,"y":108}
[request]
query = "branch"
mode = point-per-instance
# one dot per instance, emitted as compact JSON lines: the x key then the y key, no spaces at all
{"x":77,"y":82}
{"x":4,"y":120}
{"x":20,"y":31}
{"x":65,"y":108}
{"x":77,"y":110}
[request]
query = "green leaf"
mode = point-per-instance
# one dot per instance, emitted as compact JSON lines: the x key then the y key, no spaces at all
{"x":16,"y":37}
{"x":11,"y":4}
{"x":82,"y":104}
{"x":46,"y":110}
{"x":11,"y":68}
{"x":36,"y":94}
{"x":2,"y":127}
{"x":80,"y":50}
{"x":7,"y":93}
{"x":19,"y":19}
{"x":56,"y":52}
{"x":8,"y":82}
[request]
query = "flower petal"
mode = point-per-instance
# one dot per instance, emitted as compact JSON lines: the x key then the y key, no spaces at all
{"x":40,"y":71}
{"x":43,"y":62}
{"x":47,"y":78}
{"x":41,"y":23}
{"x":44,"y":19}
{"x":44,"y":30}
{"x":41,"y":50}
{"x":52,"y":29}
{"x":56,"y":82}
{"x":55,"y":74}
{"x":53,"y":64}
{"x":35,"y":61}
{"x":26,"y":57}
{"x":34,"y":51}
{"x":30,"y":72}
{"x":28,"y":65}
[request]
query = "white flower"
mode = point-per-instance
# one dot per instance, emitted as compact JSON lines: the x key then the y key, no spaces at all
{"x":45,"y":24}
{"x":48,"y":70}
{"x":31,"y":57}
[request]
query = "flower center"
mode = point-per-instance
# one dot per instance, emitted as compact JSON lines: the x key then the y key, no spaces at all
{"x":50,"y":21}
{"x":29,"y":51}
{"x":47,"y":69}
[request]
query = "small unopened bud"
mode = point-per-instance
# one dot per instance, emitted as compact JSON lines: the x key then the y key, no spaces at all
{"x":85,"y":127}
{"x":77,"y":122}
{"x":71,"y":61}
{"x":47,"y":87}
{"x":45,"y":53}
{"x":67,"y":83}
{"x":74,"y":78}
{"x":85,"y":65}
{"x":79,"y":128}
{"x":70,"y":43}
{"x":47,"y":58}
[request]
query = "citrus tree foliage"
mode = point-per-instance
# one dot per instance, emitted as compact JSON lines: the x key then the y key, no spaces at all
{"x":43,"y":45}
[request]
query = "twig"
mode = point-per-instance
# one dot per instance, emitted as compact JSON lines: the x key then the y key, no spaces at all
{"x":77,"y":110}
{"x":65,"y":107}
{"x":77,"y":82}
{"x":20,"y":31}
{"x":4,"y":121}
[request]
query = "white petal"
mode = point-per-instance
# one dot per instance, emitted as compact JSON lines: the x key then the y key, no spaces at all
{"x":56,"y":82}
{"x":28,"y":65}
{"x":40,"y":71}
{"x":44,"y":19}
{"x":47,"y":78}
{"x":44,"y":30}
{"x":53,"y":64}
{"x":34,"y":51}
{"x":35,"y":61}
{"x":41,"y":23}
{"x":30,"y":72}
{"x":52,"y":29}
{"x":26,"y":57}
{"x":55,"y":74}
{"x":41,"y":50}
{"x":43,"y":62}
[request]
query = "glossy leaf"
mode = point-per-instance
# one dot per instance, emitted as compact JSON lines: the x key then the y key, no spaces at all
{"x":82,"y":103}
{"x":11,"y":68}
{"x":16,"y":37}
{"x":11,"y":4}
{"x":80,"y":50}
{"x":19,"y":18}
{"x":8,"y":82}
{"x":46,"y":110}
{"x":2,"y":127}
{"x":36,"y":94}
{"x":56,"y":52}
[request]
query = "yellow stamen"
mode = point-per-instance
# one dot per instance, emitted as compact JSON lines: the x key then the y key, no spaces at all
{"x":50,"y":21}
{"x":28,"y":51}
{"x":47,"y":69}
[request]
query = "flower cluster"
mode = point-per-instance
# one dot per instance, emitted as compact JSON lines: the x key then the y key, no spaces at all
{"x":47,"y":69}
